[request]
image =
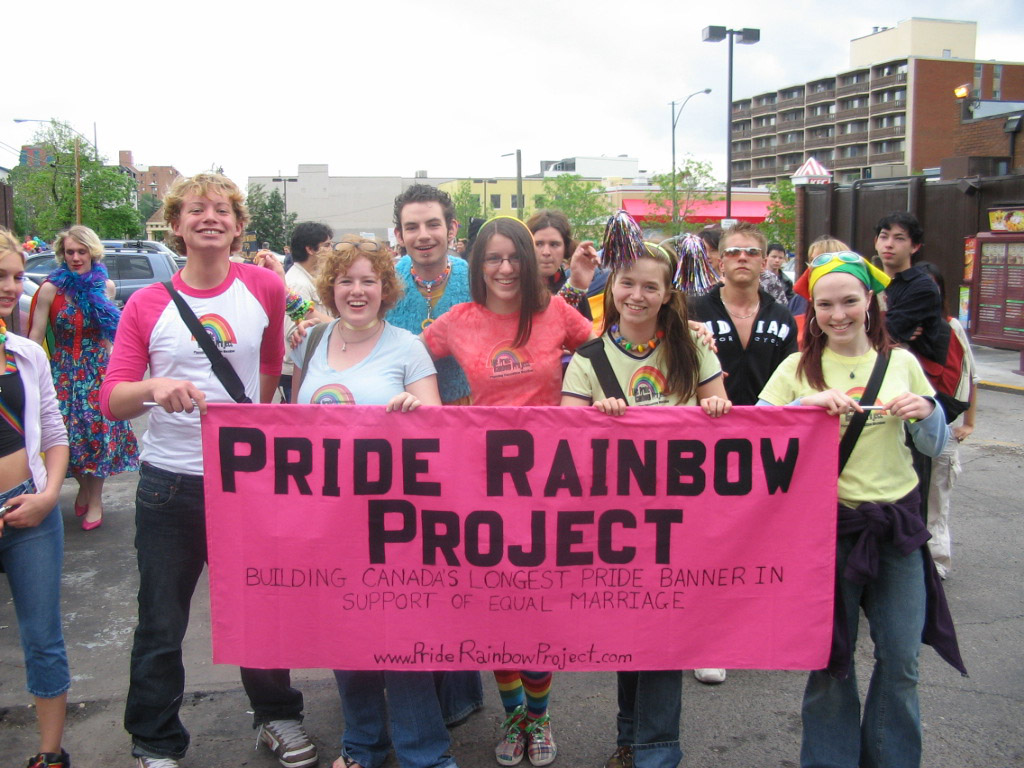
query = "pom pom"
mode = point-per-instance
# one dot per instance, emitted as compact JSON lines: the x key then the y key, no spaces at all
{"x":694,"y":274}
{"x":297,"y":307}
{"x":623,"y":241}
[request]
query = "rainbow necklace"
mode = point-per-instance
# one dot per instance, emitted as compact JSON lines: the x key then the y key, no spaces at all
{"x":3,"y":331}
{"x":427,"y":287}
{"x":629,"y":346}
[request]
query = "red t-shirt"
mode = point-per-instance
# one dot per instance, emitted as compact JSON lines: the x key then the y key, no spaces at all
{"x":498,"y":373}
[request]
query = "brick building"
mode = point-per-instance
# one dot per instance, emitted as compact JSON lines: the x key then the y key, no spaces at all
{"x":149,"y":179}
{"x":891,"y":113}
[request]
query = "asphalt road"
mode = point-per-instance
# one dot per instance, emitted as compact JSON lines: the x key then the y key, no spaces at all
{"x":751,"y":720}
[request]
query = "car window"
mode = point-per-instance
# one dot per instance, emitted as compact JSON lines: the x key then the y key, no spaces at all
{"x":132,"y":266}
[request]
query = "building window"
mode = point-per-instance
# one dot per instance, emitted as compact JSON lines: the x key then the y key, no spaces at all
{"x":515,"y":201}
{"x":495,"y":201}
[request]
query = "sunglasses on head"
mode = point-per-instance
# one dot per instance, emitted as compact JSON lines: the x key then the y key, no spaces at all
{"x":734,"y":251}
{"x":825,"y":258}
{"x":365,"y":245}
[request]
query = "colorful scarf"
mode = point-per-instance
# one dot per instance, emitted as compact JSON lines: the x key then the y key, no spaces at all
{"x":87,"y":292}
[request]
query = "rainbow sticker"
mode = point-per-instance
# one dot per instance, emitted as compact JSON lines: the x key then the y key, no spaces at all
{"x":647,"y":385}
{"x":333,"y":394}
{"x":219,"y":330}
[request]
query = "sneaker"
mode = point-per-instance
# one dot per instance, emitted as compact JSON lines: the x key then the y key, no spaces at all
{"x":511,"y":748}
{"x":540,"y":744}
{"x":623,"y":758}
{"x":289,"y":742}
{"x":156,"y":762}
{"x":710,"y":676}
{"x":50,"y":760}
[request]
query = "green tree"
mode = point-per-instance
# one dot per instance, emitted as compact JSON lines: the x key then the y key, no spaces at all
{"x":694,"y":183}
{"x":148,"y":205}
{"x":467,"y":204}
{"x":267,"y":219}
{"x":44,"y":194}
{"x":780,"y":224}
{"x":583,"y":202}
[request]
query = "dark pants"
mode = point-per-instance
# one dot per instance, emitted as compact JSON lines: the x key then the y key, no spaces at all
{"x":170,"y":540}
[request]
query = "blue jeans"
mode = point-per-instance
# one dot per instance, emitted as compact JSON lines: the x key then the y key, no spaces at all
{"x":890,"y":735}
{"x":411,"y":706}
{"x":650,"y":705}
{"x":170,"y":540}
{"x":460,"y":693}
{"x":32,"y":559}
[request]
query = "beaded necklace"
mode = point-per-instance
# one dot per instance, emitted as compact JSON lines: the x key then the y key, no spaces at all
{"x":629,"y":346}
{"x":3,"y":331}
{"x":426,"y":287}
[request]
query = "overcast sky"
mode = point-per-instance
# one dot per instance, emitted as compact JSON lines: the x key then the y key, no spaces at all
{"x":389,"y":87}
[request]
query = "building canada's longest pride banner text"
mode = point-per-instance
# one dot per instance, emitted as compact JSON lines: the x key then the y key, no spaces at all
{"x":532,"y":538}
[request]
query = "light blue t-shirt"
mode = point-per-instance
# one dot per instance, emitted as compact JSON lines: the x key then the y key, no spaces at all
{"x":397,"y":360}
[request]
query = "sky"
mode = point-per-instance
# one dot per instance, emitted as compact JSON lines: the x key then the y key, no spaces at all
{"x":396,"y":86}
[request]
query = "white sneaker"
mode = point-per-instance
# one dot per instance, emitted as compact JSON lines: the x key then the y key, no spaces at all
{"x":156,"y":762}
{"x":289,"y":742}
{"x":710,"y":676}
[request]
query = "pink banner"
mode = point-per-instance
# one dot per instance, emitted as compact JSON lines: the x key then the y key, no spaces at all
{"x":533,"y":538}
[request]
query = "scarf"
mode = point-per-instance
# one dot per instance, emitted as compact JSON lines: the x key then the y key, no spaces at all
{"x":87,"y":292}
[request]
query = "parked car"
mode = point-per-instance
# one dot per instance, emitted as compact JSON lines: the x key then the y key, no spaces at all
{"x":131,"y":264}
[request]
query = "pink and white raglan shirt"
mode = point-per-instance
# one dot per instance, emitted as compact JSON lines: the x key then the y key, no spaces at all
{"x":243,"y":317}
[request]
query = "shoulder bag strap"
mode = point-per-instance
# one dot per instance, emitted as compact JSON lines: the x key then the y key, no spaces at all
{"x":222,"y":369}
{"x":856,"y":424}
{"x":594,"y":351}
{"x":315,"y":336}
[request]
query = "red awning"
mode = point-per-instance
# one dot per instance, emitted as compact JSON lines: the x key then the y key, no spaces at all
{"x":753,"y":211}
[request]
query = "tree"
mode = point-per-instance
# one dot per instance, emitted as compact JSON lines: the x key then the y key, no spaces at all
{"x":467,"y":204}
{"x":694,"y":182}
{"x":267,"y":218}
{"x":148,"y":205}
{"x":583,"y":203}
{"x":44,"y":194}
{"x":780,"y":224}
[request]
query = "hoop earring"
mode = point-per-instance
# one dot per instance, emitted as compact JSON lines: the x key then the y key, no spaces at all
{"x":812,"y":325}
{"x":867,"y":322}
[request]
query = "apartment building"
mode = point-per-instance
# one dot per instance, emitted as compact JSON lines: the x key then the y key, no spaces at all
{"x":892,"y":113}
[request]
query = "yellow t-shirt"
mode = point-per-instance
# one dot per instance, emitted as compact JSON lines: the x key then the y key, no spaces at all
{"x":641,"y":378}
{"x":880,"y":468}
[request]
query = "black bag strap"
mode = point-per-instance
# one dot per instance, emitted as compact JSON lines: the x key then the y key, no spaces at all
{"x":856,"y":425}
{"x":594,"y":351}
{"x":222,"y":369}
{"x":316,"y":333}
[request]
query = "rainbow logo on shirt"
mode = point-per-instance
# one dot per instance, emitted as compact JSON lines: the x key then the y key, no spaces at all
{"x":219,"y":330}
{"x":333,"y":394}
{"x":858,"y":392}
{"x":508,"y":361}
{"x":647,"y":385}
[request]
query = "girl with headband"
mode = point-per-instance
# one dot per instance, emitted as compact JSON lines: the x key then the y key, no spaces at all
{"x":647,"y":331}
{"x":882,"y":563}
{"x":509,"y":342}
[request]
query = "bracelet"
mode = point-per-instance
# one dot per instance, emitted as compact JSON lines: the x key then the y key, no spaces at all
{"x":572,"y":295}
{"x":297,"y":307}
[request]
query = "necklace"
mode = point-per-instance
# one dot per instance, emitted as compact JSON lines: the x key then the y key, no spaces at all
{"x":743,"y":317}
{"x":629,"y":346}
{"x":344,"y":341}
{"x":426,"y":287}
{"x":3,"y":331}
{"x":857,"y":362}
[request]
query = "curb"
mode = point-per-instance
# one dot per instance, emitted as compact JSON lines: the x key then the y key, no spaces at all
{"x":1011,"y":389}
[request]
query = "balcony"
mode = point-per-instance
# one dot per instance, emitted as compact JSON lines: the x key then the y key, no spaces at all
{"x":795,"y":101}
{"x":852,"y":88}
{"x":787,"y":168}
{"x":762,"y":130}
{"x":816,"y":97}
{"x":887,"y":157}
{"x":741,"y":113}
{"x":858,"y":161}
{"x":819,"y":141}
{"x":740,"y":133}
{"x":824,"y":119}
{"x":850,"y":114}
{"x":888,"y":80}
{"x":741,"y":154}
{"x":889,"y":132}
{"x":766,"y":151}
{"x":763,"y":109}
{"x":795,"y":145}
{"x":895,"y":105}
{"x":740,"y":174}
{"x":793,"y":124}
{"x":853,"y":137}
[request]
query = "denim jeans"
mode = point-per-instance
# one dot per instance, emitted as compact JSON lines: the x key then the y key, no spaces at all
{"x":170,"y":540}
{"x":890,"y":735}
{"x":460,"y":693}
{"x":32,"y":559}
{"x":418,"y":733}
{"x":650,"y":705}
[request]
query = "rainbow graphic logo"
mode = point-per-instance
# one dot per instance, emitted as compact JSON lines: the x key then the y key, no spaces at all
{"x":333,"y":394}
{"x":506,"y":361}
{"x":219,"y":330}
{"x":647,"y":385}
{"x":858,"y":392}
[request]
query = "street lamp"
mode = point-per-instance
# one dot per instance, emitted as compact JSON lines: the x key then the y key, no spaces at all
{"x":746,"y":36}
{"x":485,"y":182}
{"x":78,"y":162}
{"x":675,"y":120}
{"x":285,"y":181}
{"x":519,"y":179}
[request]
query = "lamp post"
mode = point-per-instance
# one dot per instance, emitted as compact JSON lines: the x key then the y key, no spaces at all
{"x":519,"y":179}
{"x":285,"y":180}
{"x":78,"y":161}
{"x":675,"y":120}
{"x":485,"y":182}
{"x":746,"y":36}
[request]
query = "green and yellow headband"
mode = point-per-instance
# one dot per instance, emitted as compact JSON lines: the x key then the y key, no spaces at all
{"x":844,"y":261}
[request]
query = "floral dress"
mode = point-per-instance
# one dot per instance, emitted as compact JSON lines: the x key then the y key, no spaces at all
{"x":99,"y":447}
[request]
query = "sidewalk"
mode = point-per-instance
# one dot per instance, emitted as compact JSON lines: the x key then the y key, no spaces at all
{"x":999,"y":369}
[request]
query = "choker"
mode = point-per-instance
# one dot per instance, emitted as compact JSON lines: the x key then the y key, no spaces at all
{"x":344,"y":341}
{"x":366,"y":327}
{"x":629,"y":346}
